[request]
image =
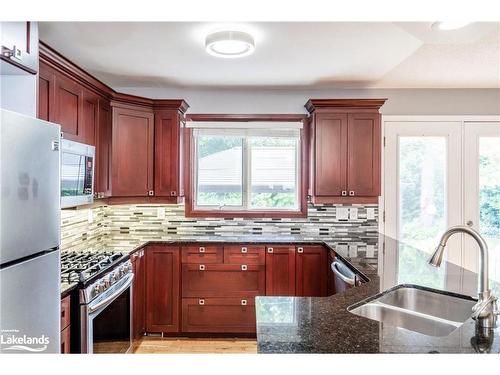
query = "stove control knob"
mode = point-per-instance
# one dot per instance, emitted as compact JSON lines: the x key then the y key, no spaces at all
{"x":96,"y":289}
{"x":107,"y":283}
{"x":112,"y":277}
{"x":102,"y":286}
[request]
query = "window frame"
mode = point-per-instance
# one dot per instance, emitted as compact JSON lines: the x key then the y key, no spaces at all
{"x":190,"y":182}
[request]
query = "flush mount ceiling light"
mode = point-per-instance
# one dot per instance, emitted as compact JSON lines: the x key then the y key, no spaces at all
{"x":229,"y":44}
{"x":449,"y":25}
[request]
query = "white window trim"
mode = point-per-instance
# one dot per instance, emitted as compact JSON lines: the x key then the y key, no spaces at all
{"x":246,"y":186}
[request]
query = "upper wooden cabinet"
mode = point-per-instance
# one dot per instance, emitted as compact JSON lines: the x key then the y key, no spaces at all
{"x":102,"y":184}
{"x":132,"y":152}
{"x":168,"y":150}
{"x":345,"y":149}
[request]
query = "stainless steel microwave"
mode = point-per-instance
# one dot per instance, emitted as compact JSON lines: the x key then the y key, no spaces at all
{"x":77,"y":173}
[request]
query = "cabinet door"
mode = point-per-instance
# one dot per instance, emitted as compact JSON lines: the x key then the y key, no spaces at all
{"x":66,"y":340}
{"x":90,"y":116}
{"x":139,"y":299}
{"x":162,"y":288}
{"x":280,"y":271}
{"x":311,"y":269}
{"x":46,"y":91}
{"x":167,"y":154}
{"x":364,"y":148}
{"x":68,"y":108}
{"x":103,"y":150}
{"x":244,"y":254}
{"x":330,"y":142}
{"x":218,"y":315}
{"x":132,"y":153}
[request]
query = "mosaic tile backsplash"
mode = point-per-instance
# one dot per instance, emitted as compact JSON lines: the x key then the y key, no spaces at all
{"x":127,"y":225}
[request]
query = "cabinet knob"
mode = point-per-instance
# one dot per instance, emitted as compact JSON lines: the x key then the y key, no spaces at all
{"x":201,"y":302}
{"x":202,"y":267}
{"x":244,"y":249}
{"x":243,"y":302}
{"x":300,"y":249}
{"x":244,"y":267}
{"x":173,"y":193}
{"x":269,"y":249}
{"x":151,"y":193}
{"x":351,"y":193}
{"x":344,"y":193}
{"x":202,"y":249}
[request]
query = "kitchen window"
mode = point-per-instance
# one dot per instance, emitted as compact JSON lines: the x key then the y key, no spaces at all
{"x":242,"y":169}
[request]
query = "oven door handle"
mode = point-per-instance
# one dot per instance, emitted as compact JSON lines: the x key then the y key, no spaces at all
{"x":344,"y":278}
{"x":112,"y":297}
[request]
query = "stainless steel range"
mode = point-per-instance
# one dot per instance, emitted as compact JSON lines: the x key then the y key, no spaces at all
{"x":105,"y":299}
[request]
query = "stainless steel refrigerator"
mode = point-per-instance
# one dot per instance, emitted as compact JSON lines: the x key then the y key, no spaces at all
{"x":29,"y":235}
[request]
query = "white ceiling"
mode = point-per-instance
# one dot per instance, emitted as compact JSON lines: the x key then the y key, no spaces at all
{"x":312,"y":55}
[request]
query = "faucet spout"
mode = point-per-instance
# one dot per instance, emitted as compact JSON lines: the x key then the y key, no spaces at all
{"x":485,"y":310}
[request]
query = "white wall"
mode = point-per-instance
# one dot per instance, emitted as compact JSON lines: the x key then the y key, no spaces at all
{"x":401,"y":101}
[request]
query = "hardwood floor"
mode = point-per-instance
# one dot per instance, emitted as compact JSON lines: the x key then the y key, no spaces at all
{"x":169,"y":345}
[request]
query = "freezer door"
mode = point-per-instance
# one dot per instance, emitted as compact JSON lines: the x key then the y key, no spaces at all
{"x":30,"y":306}
{"x":29,"y":186}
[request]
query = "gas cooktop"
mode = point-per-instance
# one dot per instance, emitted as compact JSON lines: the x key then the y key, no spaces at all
{"x":82,"y":266}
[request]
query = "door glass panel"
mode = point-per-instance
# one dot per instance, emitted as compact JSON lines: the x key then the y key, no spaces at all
{"x":422,"y":208}
{"x":489,"y":203}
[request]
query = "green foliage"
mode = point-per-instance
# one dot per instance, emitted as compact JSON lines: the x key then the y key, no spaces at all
{"x":273,"y":200}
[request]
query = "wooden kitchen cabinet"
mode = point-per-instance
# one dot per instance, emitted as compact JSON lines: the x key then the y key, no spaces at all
{"x":46,"y":93}
{"x":139,"y":294}
{"x":223,"y":280}
{"x":102,"y":184}
{"x":162,"y":288}
{"x":345,"y":149}
{"x":202,"y":254}
{"x":66,"y":325}
{"x":245,"y":254}
{"x":218,"y":315}
{"x":280,"y":270}
{"x":68,"y":108}
{"x":90,"y":116}
{"x":132,"y":152}
{"x":311,"y":271}
{"x":168,"y":151}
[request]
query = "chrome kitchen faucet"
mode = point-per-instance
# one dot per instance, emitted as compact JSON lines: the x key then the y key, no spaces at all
{"x":485,"y":310}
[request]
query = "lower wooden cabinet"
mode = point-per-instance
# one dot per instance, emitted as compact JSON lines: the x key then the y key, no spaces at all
{"x":222,"y":280}
{"x":66,"y":325}
{"x":311,"y":267}
{"x":218,"y":315}
{"x":280,"y":270}
{"x":162,"y":288}
{"x":66,"y":340}
{"x":139,"y":294}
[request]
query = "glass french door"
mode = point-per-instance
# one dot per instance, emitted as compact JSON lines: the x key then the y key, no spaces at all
{"x":482,"y":194}
{"x":422,"y":194}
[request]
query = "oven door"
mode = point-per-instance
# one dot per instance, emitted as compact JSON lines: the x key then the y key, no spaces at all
{"x":77,"y":173}
{"x":107,"y":321}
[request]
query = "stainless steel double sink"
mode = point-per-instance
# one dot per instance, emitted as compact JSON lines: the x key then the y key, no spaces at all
{"x":417,"y":308}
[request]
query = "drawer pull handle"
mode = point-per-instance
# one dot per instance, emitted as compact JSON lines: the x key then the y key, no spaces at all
{"x":300,"y":249}
{"x":243,"y":302}
{"x":201,"y":302}
{"x":244,"y":267}
{"x":202,"y":267}
{"x":269,"y":249}
{"x":244,"y":249}
{"x":202,"y":249}
{"x":351,"y":193}
{"x":344,"y":193}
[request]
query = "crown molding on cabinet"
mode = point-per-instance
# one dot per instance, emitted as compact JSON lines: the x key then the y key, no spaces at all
{"x":314,"y":104}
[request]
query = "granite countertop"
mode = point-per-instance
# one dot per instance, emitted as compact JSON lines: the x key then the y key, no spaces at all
{"x":324,"y":325}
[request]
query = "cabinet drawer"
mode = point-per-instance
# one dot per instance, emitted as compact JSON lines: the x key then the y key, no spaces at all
{"x":223,"y":280}
{"x":202,"y":254}
{"x":244,"y":254}
{"x":65,"y":312}
{"x":228,"y":315}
